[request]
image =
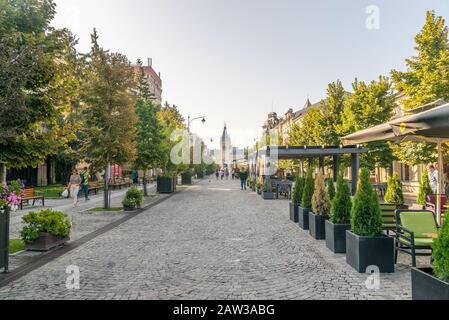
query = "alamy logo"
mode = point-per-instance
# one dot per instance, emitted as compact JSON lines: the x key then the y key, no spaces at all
{"x":373,"y":280}
{"x":73,"y":280}
{"x":373,"y":20}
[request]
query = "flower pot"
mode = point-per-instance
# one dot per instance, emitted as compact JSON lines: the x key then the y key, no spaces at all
{"x":336,"y":236}
{"x":4,"y":237}
{"x":426,"y":286}
{"x":46,"y":242}
{"x":303,"y":218}
{"x":362,"y":252}
{"x":316,"y":226}
{"x":294,"y":213}
{"x":186,"y":179}
{"x":166,"y":184}
{"x":268,"y":195}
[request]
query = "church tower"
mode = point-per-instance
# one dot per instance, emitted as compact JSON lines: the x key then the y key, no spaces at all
{"x":225,"y":147}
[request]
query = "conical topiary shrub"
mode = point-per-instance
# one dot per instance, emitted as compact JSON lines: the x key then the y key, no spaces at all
{"x":441,"y":252}
{"x":331,"y":189}
{"x":321,"y":204}
{"x":366,"y":219}
{"x":297,"y":191}
{"x":394,"y":193}
{"x":424,"y":189}
{"x":342,"y":203}
{"x":309,"y":189}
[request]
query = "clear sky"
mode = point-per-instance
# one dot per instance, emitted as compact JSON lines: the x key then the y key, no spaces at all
{"x":235,"y":61}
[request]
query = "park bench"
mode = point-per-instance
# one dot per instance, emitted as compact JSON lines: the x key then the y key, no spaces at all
{"x":93,"y":186}
{"x":30,"y":194}
{"x":415,"y":233}
{"x":117,"y":183}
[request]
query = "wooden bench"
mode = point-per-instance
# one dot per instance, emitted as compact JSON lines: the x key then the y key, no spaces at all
{"x":117,"y":183}
{"x":93,"y":186}
{"x":30,"y":194}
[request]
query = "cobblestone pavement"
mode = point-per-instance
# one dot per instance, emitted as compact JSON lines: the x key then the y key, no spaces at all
{"x":211,"y":241}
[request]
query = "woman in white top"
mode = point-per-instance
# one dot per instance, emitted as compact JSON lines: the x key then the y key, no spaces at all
{"x":74,"y":186}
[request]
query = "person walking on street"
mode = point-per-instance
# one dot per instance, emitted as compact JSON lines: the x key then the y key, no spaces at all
{"x":135,"y":177}
{"x":74,"y":186}
{"x":217,"y":174}
{"x":243,"y":179}
{"x":85,"y":177}
{"x":227,"y":174}
{"x":222,"y":174}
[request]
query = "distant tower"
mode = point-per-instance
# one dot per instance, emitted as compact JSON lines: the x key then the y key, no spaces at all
{"x":225,"y":147}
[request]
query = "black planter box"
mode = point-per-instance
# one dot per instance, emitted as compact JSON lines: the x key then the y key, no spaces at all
{"x":4,"y":239}
{"x":425,"y":286}
{"x":268,"y":195}
{"x":303,"y":218}
{"x":336,"y":236}
{"x":294,"y":213}
{"x":186,"y":179}
{"x":316,"y":226}
{"x":166,"y":184}
{"x":46,"y":242}
{"x":362,"y":252}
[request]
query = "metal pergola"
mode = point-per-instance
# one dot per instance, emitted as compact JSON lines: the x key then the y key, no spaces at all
{"x":309,"y":153}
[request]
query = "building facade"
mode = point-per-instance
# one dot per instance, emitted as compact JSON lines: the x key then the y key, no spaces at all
{"x":153,"y":79}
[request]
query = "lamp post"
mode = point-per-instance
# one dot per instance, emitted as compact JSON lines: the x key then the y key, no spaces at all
{"x":191,"y":120}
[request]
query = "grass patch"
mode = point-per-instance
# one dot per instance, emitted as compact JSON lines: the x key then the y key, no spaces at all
{"x":51,"y":192}
{"x":114,"y":209}
{"x":16,"y":245}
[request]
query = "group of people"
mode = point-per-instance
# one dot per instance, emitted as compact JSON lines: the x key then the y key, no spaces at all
{"x":79,"y":184}
{"x":222,"y":173}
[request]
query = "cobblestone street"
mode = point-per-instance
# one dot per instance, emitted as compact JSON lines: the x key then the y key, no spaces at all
{"x":211,"y":241}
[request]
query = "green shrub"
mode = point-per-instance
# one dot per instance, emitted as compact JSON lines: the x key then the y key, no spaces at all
{"x":424,"y":189}
{"x":342,"y":203}
{"x":49,"y":221}
{"x":331,"y":189}
{"x":440,"y":253}
{"x":394,"y":193}
{"x":309,"y":189}
{"x":297,"y":191}
{"x":366,"y":219}
{"x":321,"y":204}
{"x":134,"y":197}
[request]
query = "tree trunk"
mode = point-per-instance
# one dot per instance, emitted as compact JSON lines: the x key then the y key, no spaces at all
{"x":107,"y":204}
{"x":145,"y":189}
{"x":2,"y":173}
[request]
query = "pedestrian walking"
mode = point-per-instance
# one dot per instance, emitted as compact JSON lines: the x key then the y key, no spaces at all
{"x":85,"y":177}
{"x":243,"y":175}
{"x":227,"y":174}
{"x":217,"y":174}
{"x":135,"y":177}
{"x":222,"y":173}
{"x":74,"y":186}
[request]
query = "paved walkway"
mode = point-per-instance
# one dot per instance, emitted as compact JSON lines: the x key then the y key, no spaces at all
{"x":211,"y":241}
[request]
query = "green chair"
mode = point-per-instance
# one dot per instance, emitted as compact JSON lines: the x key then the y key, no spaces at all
{"x":413,"y":231}
{"x":388,"y":212}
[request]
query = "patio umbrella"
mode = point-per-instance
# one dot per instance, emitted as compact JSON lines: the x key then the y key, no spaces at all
{"x":431,"y":125}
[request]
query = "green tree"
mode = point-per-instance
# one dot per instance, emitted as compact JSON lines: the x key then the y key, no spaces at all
{"x":440,"y":254}
{"x":298,"y":191}
{"x":425,"y":80}
{"x":150,"y":135}
{"x":369,"y":105}
{"x":394,"y":194}
{"x":109,"y":135}
{"x":424,"y":189}
{"x":366,"y":219}
{"x":321,"y":204}
{"x":34,"y":82}
{"x":342,"y":203}
{"x":309,"y":188}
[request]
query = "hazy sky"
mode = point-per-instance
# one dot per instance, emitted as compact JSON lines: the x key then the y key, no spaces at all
{"x":235,"y":61}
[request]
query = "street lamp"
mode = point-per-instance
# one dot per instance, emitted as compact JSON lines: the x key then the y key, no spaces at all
{"x":203,"y":120}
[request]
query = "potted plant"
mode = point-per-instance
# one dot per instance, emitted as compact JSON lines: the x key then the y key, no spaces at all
{"x":433,"y":283}
{"x":259,"y":185}
{"x":45,"y":230}
{"x":267,"y":192}
{"x":424,"y":190}
{"x":186,"y":178}
{"x":365,"y":244}
{"x":10,"y":198}
{"x":321,"y":206}
{"x":331,"y":189}
{"x":394,"y":194}
{"x":306,"y":201}
{"x":166,"y":183}
{"x":133,"y":199}
{"x":296,"y":199}
{"x":340,"y":217}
